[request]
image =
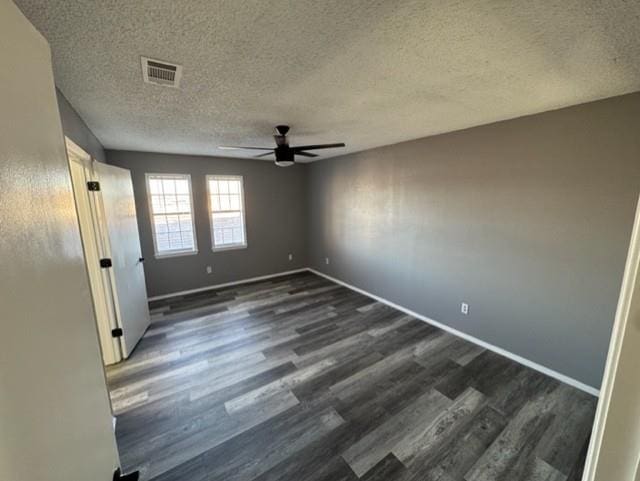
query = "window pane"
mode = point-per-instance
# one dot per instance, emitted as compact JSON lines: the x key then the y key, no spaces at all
{"x":185,"y":222}
{"x":160,"y":223}
{"x":227,"y":236}
{"x":169,"y":186}
{"x":182,"y":186}
{"x":227,"y":219}
{"x":183,"y":203}
{"x":237,"y":236}
{"x":155,"y":186}
{"x":215,"y":202}
{"x":224,"y":202}
{"x":187,"y":239}
{"x":217,"y":236}
{"x":175,"y":240}
{"x":234,"y":202}
{"x":234,"y":186}
{"x":224,"y":186}
{"x":213,"y":187}
{"x":173,"y":223}
{"x":170,"y":204}
{"x":157,"y":204}
{"x":162,"y":241}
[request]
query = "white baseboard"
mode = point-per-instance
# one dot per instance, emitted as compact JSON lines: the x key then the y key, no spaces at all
{"x":233,"y":283}
{"x":498,"y":350}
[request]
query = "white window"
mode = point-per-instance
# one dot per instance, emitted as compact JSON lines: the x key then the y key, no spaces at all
{"x":171,"y":206}
{"x":226,"y":204}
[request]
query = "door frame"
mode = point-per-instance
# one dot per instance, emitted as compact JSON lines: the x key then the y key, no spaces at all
{"x":616,"y":422}
{"x":95,"y":248}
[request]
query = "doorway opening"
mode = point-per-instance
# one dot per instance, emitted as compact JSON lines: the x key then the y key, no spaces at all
{"x":109,"y":231}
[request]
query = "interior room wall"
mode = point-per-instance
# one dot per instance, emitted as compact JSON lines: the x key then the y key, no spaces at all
{"x":275,"y":205}
{"x":527,"y":220}
{"x":77,"y":130}
{"x":55,"y":416}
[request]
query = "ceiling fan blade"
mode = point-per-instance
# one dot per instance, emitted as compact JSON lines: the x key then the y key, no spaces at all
{"x":306,"y":154}
{"x":234,"y":147}
{"x":265,"y":154}
{"x":318,"y":146}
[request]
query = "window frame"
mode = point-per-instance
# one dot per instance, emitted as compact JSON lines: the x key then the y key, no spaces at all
{"x":173,"y":253}
{"x":242,"y":211}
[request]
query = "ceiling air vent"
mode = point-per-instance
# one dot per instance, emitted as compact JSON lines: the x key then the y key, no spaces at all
{"x":161,"y":73}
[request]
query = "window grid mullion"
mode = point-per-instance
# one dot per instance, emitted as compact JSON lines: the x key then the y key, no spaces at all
{"x":226,"y":211}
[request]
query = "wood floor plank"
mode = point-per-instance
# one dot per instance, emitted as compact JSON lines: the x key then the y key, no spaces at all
{"x":387,"y":468}
{"x":257,"y":396}
{"x":428,"y":436}
{"x":562,"y":443}
{"x":298,"y":378}
{"x":321,"y":459}
{"x":375,"y":446}
{"x":453,"y":457}
{"x":181,"y":448}
{"x":512,"y":454}
{"x":246,"y":459}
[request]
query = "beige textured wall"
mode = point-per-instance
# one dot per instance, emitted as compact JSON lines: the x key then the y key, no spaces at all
{"x":55,"y":418}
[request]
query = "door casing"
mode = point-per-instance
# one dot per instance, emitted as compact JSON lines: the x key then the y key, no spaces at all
{"x":81,"y":166}
{"x":614,"y":451}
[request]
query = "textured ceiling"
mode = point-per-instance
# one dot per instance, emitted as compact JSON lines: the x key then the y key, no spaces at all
{"x":365,"y":72}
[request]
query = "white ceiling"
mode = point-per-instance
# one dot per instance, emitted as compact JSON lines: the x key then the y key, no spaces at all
{"x":365,"y":72}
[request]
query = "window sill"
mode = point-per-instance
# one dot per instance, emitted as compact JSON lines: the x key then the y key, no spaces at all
{"x":229,"y":248}
{"x":175,"y":254}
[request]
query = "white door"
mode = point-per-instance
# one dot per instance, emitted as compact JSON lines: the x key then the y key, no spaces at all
{"x":130,"y":292}
{"x":55,"y":418}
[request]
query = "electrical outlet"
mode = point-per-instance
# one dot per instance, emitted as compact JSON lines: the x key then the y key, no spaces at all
{"x":326,"y":260}
{"x":464,"y":308}
{"x":290,"y":257}
{"x":209,"y":269}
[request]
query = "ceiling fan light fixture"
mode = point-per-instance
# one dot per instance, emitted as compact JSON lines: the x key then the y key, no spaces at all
{"x":284,"y":163}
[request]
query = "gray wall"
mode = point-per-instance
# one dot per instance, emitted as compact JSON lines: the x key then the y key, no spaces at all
{"x":275,"y":204}
{"x":527,"y":220}
{"x":76,"y":129}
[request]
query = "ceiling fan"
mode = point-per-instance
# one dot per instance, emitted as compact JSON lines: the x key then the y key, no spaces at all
{"x":285,"y":155}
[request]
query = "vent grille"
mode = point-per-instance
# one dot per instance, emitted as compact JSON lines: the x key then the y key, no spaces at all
{"x":161,"y":73}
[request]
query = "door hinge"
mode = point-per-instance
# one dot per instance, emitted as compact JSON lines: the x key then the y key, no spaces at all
{"x":117,"y":332}
{"x":106,"y":262}
{"x":118,"y":476}
{"x":93,"y":185}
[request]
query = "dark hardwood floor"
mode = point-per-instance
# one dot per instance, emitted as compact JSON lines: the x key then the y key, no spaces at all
{"x":297,"y":378}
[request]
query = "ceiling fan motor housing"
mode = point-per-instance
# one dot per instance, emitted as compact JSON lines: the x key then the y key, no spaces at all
{"x":284,"y":156}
